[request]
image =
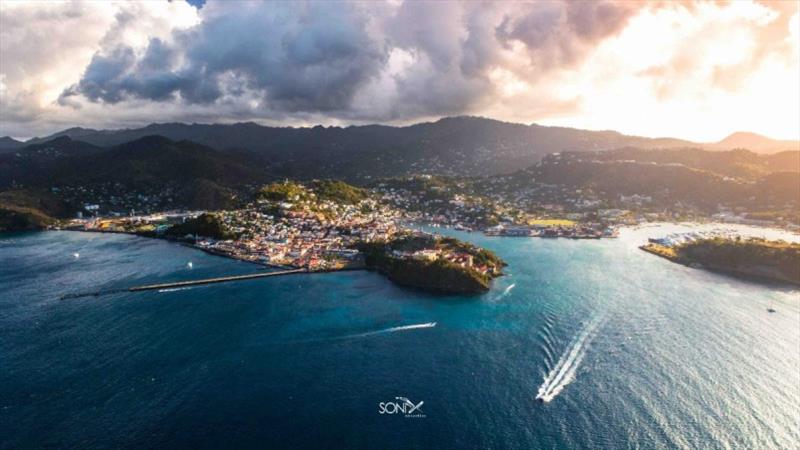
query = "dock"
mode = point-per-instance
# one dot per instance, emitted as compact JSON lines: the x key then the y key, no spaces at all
{"x":188,"y":283}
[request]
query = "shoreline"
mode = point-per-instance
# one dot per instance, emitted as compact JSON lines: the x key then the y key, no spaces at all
{"x":181,"y":243}
{"x":231,"y":256}
{"x":733,"y":272}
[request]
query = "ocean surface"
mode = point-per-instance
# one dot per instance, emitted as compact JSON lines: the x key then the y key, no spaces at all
{"x":625,"y":350}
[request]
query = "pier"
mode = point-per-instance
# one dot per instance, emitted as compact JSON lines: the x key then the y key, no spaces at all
{"x":180,"y":284}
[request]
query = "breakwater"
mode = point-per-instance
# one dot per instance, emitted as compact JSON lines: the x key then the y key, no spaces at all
{"x":188,"y":283}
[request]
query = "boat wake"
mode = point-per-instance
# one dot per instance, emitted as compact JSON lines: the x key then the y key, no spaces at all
{"x":416,"y":326}
{"x":176,"y":289}
{"x":506,"y":291}
{"x":392,"y":330}
{"x":563,"y":373}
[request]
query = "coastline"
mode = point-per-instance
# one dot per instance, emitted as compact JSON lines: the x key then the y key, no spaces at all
{"x":633,"y":234}
{"x":230,"y":256}
{"x":761,"y":274}
{"x":178,"y":242}
{"x":739,"y":274}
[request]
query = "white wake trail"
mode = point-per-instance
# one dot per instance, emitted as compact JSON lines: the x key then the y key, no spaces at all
{"x":505,"y":292}
{"x":185,"y":288}
{"x":556,"y":372}
{"x":415,"y":326}
{"x":393,"y":329}
{"x":564,"y":371}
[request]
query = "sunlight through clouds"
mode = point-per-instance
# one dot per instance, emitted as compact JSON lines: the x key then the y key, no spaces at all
{"x":692,"y":70}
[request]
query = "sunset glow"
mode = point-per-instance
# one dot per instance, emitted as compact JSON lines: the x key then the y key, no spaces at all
{"x":698,"y":71}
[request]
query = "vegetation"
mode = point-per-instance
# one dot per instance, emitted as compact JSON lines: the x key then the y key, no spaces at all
{"x":437,"y":275}
{"x":14,"y":218}
{"x":22,"y":209}
{"x":311,"y":197}
{"x":286,"y":191}
{"x":481,"y":256}
{"x":742,"y":164}
{"x":206,"y":225}
{"x":453,"y":146}
{"x":758,"y":258}
{"x":338,"y":191}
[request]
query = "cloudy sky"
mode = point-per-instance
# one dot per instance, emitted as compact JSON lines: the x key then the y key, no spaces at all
{"x":691,"y":70}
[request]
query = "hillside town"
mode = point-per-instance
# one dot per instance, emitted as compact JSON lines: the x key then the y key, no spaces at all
{"x":321,"y":227}
{"x":317,"y":234}
{"x":318,"y":225}
{"x":301,"y":230}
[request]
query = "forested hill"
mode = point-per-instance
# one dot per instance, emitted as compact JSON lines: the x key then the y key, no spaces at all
{"x":690,"y":176}
{"x":142,"y":163}
{"x":460,"y":146}
{"x":454,"y":146}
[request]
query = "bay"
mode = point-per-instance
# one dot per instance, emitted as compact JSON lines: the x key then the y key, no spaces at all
{"x":631,"y":350}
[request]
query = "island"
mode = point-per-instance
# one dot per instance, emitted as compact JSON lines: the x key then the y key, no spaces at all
{"x":752,"y":258}
{"x":434,"y":263}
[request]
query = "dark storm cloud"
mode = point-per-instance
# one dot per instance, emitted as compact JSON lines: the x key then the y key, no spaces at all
{"x":561,"y":33}
{"x":298,"y":58}
{"x":287,"y":59}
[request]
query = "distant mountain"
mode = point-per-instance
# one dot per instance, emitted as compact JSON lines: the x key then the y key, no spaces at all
{"x":200,"y":176}
{"x":754,"y":142}
{"x":692,"y":176}
{"x":38,"y":164}
{"x":467,"y":146}
{"x":155,"y":159}
{"x":144,"y":160}
{"x":455,"y":146}
{"x":742,"y":164}
{"x":10,"y":144}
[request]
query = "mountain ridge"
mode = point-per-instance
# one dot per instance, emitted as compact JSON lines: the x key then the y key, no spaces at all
{"x":755,"y":142}
{"x":738,"y":139}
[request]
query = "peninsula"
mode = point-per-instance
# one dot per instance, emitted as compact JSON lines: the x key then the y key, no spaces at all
{"x":744,"y":257}
{"x":434,"y":263}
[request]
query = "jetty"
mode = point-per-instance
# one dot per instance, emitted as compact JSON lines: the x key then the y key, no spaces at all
{"x":188,"y":283}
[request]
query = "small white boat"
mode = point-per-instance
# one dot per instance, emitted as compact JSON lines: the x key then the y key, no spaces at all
{"x":76,"y":255}
{"x":189,"y":265}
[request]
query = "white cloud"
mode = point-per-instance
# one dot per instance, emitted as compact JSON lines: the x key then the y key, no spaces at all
{"x":642,"y":68}
{"x":46,"y":46}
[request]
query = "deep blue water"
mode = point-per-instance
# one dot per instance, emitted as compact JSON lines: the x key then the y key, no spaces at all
{"x":653,"y":354}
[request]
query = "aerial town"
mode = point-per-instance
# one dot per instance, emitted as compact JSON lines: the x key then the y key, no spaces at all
{"x":325,"y":226}
{"x":318,"y":226}
{"x":288,"y":229}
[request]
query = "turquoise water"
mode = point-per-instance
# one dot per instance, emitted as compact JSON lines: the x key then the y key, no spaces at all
{"x":631,"y":351}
